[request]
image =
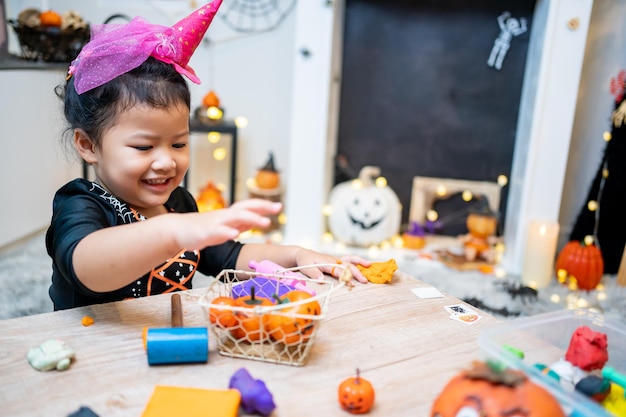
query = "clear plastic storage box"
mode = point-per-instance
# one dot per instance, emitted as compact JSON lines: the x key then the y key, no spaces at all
{"x":544,"y":339}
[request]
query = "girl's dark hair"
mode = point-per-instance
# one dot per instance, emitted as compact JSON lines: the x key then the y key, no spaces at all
{"x":153,"y":83}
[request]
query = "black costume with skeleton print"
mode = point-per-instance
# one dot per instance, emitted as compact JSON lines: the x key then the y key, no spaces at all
{"x":82,"y":207}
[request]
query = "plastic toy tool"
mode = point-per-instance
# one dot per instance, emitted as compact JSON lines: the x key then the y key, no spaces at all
{"x":177,"y":344}
{"x":291,"y":278}
{"x":615,"y":377}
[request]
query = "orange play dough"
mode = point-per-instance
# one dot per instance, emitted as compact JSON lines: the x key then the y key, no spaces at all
{"x":192,"y":402}
{"x":379,"y":272}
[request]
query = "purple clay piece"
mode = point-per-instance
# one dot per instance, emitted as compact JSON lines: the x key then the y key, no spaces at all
{"x":255,"y":397}
{"x":263,"y":287}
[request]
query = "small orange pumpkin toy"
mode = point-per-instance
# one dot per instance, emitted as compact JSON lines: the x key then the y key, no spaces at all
{"x":222,"y":315}
{"x":288,"y":329}
{"x":251,"y":326}
{"x":583,"y":261}
{"x":484,"y":391}
{"x":268,"y":177}
{"x":356,"y":394}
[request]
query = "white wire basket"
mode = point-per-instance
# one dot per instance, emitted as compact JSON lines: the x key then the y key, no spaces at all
{"x":266,"y":330}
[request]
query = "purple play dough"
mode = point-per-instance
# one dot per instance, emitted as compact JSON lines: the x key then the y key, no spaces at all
{"x":255,"y":397}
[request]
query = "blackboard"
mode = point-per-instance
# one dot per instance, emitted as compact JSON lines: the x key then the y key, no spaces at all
{"x":418,"y":97}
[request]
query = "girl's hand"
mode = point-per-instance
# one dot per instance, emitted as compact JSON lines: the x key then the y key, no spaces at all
{"x":199,"y":230}
{"x":335,"y":266}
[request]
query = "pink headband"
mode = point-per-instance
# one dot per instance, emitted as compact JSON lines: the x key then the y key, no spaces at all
{"x":115,"y":49}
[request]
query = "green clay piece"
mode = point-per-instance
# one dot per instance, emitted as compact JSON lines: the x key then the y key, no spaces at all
{"x":515,"y":352}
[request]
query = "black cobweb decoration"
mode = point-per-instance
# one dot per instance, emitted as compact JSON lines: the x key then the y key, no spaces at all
{"x":255,"y":15}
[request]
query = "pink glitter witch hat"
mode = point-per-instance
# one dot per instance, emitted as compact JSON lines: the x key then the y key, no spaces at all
{"x":190,"y":32}
{"x":115,"y":49}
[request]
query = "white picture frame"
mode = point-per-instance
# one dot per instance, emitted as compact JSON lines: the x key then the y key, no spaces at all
{"x":427,"y":189}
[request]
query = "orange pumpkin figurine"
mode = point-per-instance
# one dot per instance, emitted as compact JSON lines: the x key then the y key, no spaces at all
{"x":582,"y":261}
{"x":211,"y":99}
{"x":268,"y":177}
{"x":482,"y":227}
{"x":486,"y":391}
{"x":50,"y":18}
{"x":284,"y":327}
{"x":210,"y":198}
{"x":251,"y":326}
{"x":222,"y":314}
{"x":356,"y":394}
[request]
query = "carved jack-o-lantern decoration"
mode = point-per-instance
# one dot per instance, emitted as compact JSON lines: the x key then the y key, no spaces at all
{"x":483,"y":391}
{"x":364,"y":212}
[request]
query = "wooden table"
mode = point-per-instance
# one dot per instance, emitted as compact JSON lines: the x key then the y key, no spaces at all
{"x":407,"y":347}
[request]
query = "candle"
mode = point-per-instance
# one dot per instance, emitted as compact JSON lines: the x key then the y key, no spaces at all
{"x":538,"y":268}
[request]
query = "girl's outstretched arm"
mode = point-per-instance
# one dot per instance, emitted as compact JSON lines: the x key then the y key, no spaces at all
{"x":111,"y":258}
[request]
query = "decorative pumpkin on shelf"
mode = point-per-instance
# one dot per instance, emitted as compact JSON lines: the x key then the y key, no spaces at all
{"x":50,"y":18}
{"x":268,"y":177}
{"x":356,"y":394}
{"x":210,"y":198}
{"x":486,"y":391}
{"x":211,"y":100}
{"x":364,"y":212}
{"x":210,"y":110}
{"x":582,"y":261}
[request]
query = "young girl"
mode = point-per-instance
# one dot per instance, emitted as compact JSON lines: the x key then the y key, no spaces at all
{"x":133,"y":232}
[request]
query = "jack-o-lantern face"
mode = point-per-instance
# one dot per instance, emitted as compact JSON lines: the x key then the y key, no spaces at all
{"x":364,"y":213}
{"x":484,"y":392}
{"x":367,"y":211}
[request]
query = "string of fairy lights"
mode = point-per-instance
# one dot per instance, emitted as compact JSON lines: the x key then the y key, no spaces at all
{"x":593,"y":205}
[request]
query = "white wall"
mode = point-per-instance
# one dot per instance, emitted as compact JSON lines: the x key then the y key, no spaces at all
{"x":32,"y":162}
{"x":310,"y":159}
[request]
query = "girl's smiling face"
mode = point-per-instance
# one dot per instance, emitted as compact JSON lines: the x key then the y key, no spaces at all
{"x":144,"y":156}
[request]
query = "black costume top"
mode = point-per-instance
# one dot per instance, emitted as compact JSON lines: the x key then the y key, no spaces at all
{"x":82,"y":207}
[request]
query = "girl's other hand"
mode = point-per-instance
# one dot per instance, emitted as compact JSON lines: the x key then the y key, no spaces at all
{"x":334,"y":266}
{"x":199,"y":230}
